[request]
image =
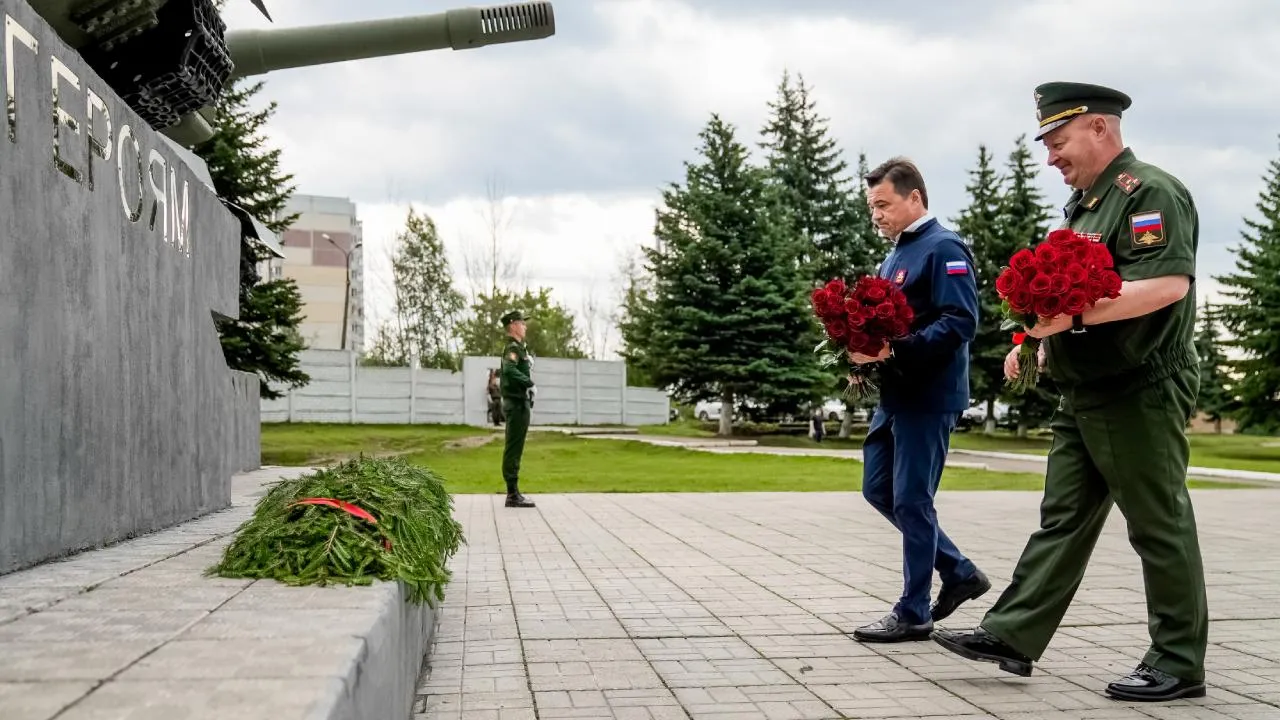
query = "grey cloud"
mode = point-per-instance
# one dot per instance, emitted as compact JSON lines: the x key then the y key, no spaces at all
{"x":568,"y":114}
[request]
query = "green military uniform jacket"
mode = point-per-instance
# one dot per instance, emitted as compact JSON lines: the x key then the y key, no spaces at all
{"x":514,"y":375}
{"x":1149,"y":222}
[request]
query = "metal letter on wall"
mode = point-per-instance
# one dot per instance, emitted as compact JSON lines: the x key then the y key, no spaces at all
{"x":97,"y":146}
{"x":62,"y":119}
{"x":126,"y":134}
{"x":14,"y":31}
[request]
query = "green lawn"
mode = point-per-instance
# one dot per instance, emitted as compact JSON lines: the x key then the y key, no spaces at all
{"x":557,"y":463}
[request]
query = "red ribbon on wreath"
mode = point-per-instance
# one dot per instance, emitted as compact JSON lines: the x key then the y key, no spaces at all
{"x":353,"y":510}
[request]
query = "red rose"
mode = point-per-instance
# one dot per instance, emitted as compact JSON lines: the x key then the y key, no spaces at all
{"x":1018,"y":337}
{"x":837,"y":329}
{"x":875,"y":293}
{"x":857,"y":322}
{"x":1111,"y":283}
{"x":819,"y":298}
{"x":1075,"y":301}
{"x":1049,"y":306}
{"x":1077,"y":274}
{"x":1023,"y":260}
{"x":1039,"y":285}
{"x":858,"y":341}
{"x":1082,"y":252}
{"x":1059,"y":284}
{"x":1046,"y":254}
{"x":886,"y":310}
{"x":900,"y":328}
{"x":900,"y":299}
{"x":852,"y":307}
{"x":1061,"y":236}
{"x":1101,"y":256}
{"x":1021,"y":300}
{"x":1008,"y":281}
{"x":906,"y":314}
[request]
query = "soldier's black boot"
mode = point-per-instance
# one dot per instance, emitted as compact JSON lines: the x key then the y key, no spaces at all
{"x":1151,"y":685}
{"x":514,"y":498}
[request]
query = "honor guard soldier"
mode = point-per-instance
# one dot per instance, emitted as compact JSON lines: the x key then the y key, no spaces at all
{"x":517,"y":403}
{"x":1128,"y":373}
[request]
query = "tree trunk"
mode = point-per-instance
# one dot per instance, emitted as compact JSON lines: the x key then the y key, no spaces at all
{"x":726,"y":413}
{"x":846,"y":425}
{"x":990,"y":426}
{"x":1022,"y":428}
{"x":1217,"y":425}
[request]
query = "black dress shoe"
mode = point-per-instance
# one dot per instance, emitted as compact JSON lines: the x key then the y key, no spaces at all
{"x":982,"y":645}
{"x":890,"y":628}
{"x":1151,"y":685}
{"x":950,"y":598}
{"x":519,"y":501}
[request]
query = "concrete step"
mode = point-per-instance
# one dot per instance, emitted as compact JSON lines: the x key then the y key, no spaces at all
{"x":136,"y":630}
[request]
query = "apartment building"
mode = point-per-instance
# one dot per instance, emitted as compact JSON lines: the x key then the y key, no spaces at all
{"x":324,"y":255}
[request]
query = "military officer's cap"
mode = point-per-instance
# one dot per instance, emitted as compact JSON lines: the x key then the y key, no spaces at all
{"x":1058,"y":103}
{"x":511,"y":316}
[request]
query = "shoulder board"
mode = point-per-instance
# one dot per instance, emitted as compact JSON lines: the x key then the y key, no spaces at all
{"x":1127,"y":183}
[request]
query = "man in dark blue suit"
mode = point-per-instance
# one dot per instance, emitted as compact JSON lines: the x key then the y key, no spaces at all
{"x":924,"y":387}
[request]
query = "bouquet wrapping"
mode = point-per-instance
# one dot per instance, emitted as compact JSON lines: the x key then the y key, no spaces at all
{"x":1065,"y":274}
{"x":859,"y":319}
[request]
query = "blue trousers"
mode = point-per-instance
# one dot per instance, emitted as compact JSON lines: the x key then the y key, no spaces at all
{"x":903,"y":457}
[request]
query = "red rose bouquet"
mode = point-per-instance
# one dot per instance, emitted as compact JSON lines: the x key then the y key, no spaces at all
{"x":859,"y":319}
{"x":1065,"y":274}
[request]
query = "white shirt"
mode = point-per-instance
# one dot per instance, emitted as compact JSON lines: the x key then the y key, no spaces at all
{"x":915,"y":225}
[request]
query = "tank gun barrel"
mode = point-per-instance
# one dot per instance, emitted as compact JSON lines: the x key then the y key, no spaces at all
{"x":254,"y":52}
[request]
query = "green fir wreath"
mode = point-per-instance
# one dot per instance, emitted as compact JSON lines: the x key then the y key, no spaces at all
{"x":365,"y":519}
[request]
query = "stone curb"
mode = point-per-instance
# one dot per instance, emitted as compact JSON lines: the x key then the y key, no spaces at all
{"x":1194,"y":471}
{"x":136,"y":630}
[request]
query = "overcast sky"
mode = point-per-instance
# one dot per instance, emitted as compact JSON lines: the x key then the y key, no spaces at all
{"x":580,"y":130}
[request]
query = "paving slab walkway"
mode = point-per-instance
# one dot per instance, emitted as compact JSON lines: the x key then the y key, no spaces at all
{"x":702,"y":606}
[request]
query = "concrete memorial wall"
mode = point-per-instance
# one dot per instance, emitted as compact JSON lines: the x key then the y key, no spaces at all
{"x":117,"y":409}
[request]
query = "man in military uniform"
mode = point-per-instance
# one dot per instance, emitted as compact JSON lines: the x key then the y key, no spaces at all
{"x":1127,"y":371}
{"x":517,"y":403}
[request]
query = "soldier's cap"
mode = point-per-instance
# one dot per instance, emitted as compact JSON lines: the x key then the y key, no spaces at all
{"x":511,"y":316}
{"x":1058,"y":103}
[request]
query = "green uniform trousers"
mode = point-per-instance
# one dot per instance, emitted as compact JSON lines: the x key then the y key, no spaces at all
{"x":1132,"y":451}
{"x":517,"y":412}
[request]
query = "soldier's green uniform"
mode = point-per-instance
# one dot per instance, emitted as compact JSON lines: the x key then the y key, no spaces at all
{"x":1128,"y":390}
{"x":516,"y":381}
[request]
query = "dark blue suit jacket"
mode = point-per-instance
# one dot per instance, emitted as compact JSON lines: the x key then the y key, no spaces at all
{"x":929,"y":370}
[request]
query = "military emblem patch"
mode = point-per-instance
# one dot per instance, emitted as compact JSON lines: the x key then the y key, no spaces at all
{"x":1127,"y":183}
{"x":900,"y":276}
{"x":1147,"y":229}
{"x":512,"y":357}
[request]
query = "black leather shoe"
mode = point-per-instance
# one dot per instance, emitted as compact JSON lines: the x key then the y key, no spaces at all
{"x":983,"y":646}
{"x":890,"y":628}
{"x":950,"y":598}
{"x":1151,"y":685}
{"x":519,"y":501}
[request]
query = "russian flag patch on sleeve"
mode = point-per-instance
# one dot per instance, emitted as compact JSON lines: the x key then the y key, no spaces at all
{"x":957,"y":267}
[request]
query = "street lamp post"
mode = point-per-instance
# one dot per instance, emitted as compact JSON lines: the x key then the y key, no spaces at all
{"x":346,"y":298}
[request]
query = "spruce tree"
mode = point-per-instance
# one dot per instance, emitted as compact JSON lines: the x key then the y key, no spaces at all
{"x":1025,"y":222}
{"x":1215,"y":400}
{"x":806,"y":167}
{"x":980,"y":225}
{"x":728,"y":296}
{"x":1251,"y":321}
{"x":265,"y":338}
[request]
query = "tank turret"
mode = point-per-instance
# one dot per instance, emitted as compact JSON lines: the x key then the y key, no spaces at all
{"x":169,"y":60}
